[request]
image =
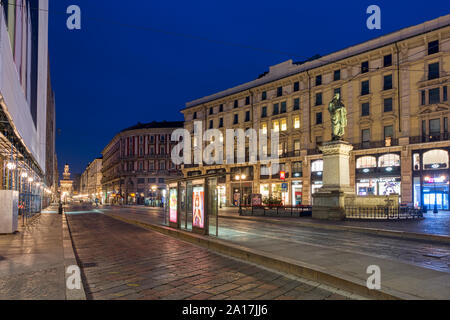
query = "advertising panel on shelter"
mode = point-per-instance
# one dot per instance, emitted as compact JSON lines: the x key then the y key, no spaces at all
{"x":198,"y":215}
{"x":173,"y":217}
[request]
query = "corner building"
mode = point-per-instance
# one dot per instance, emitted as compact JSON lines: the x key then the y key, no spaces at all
{"x":395,"y":89}
{"x":137,"y":162}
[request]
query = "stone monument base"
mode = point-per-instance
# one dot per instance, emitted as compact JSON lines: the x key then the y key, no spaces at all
{"x":329,"y":201}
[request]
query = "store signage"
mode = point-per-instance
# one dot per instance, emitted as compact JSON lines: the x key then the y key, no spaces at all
{"x":198,"y":214}
{"x":173,"y":217}
{"x":379,"y":180}
{"x":435,"y":179}
{"x":282,"y":175}
{"x":284,"y":186}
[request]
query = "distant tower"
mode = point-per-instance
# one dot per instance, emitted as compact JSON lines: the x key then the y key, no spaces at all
{"x":66,"y":185}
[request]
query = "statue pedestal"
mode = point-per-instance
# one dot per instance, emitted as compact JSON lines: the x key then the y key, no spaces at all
{"x":329,"y":201}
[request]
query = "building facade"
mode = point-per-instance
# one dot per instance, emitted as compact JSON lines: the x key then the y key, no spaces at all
{"x":137,"y":162}
{"x":25,"y":138}
{"x":91,"y":181}
{"x":395,"y":89}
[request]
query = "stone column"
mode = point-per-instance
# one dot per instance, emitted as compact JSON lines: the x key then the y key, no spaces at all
{"x":329,"y":201}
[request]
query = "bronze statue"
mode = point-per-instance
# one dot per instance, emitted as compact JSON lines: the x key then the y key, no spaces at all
{"x":338,"y":114}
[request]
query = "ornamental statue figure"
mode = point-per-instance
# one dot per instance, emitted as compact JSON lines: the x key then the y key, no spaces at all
{"x":338,"y":115}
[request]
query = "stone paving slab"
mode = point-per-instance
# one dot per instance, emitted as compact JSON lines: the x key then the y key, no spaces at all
{"x":403,"y":263}
{"x":124,"y":261}
{"x":32,"y":267}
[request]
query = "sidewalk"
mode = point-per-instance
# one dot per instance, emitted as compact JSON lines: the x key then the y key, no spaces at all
{"x":33,"y":260}
{"x":283,"y":249}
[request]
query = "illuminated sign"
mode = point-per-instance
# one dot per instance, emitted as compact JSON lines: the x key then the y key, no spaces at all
{"x":173,"y":217}
{"x":435,"y":179}
{"x":198,"y":213}
{"x":366,"y":170}
{"x":282,"y":175}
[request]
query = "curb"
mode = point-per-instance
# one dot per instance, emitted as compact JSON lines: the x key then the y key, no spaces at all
{"x":383,"y":232}
{"x":70,"y":260}
{"x":278,"y":263}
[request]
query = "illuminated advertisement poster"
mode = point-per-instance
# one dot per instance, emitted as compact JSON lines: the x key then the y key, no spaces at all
{"x":198,"y":215}
{"x":173,"y":205}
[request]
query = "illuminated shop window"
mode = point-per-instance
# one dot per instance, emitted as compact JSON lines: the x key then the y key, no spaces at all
{"x":317,"y":166}
{"x":276,"y":126}
{"x":389,"y":160}
{"x":366,"y":162}
{"x":297,"y":122}
{"x":283,"y":125}
{"x":435,"y":159}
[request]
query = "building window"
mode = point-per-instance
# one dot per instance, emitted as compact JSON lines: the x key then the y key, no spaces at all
{"x":423,"y":97}
{"x":152,"y":180}
{"x":297,"y":169}
{"x":366,"y":162}
{"x":211,"y":110}
{"x":152,"y":138}
{"x":318,"y":80}
{"x":317,"y":166}
{"x":236,"y":118}
{"x":220,"y":122}
{"x":365,"y":109}
{"x":319,"y":118}
{"x":365,"y":137}
{"x":279,"y":91}
{"x":161,"y":138}
{"x":283,"y":107}
{"x":389,"y":160}
{"x":247,"y":101}
{"x":435,"y":160}
{"x":211,"y":124}
{"x":236,"y":104}
{"x":247,"y":116}
{"x":433,"y":71}
{"x":163,"y":150}
{"x":387,"y":82}
{"x":388,"y":105}
{"x":387,"y":60}
{"x":388,"y":132}
{"x":365,"y":87}
{"x":161,"y":180}
{"x":433,"y":47}
{"x":296,"y":104}
{"x":444,"y":93}
{"x":152,"y":150}
{"x":195,"y":115}
{"x":433,"y":96}
{"x":264,"y":112}
{"x":296,"y":86}
{"x":264,"y":128}
{"x":221,"y":108}
{"x":435,"y":127}
{"x":365,"y":67}
{"x":283,"y":123}
{"x":337,"y":75}
{"x":336,"y":90}
{"x":296,"y":122}
{"x":319,"y":140}
{"x":162,"y":165}
{"x":276,"y":126}
{"x":275,"y":109}
{"x":264,"y":95}
{"x":318,"y":99}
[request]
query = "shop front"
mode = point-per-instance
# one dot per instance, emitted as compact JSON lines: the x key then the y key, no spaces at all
{"x":431,"y":179}
{"x":280,"y":192}
{"x":297,"y":192}
{"x":316,"y":176}
{"x":378,"y":175}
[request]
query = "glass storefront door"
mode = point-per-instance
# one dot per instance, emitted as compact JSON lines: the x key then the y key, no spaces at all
{"x":438,"y":196}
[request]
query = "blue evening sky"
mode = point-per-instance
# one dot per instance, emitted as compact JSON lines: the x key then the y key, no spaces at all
{"x":118,"y":70}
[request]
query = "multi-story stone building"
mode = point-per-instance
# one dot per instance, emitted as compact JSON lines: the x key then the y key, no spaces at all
{"x":26,"y":115}
{"x":136,"y":164}
{"x":91,"y":181}
{"x":395,"y":89}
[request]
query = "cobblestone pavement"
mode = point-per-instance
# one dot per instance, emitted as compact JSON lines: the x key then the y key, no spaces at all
{"x":122,"y":261}
{"x":32,"y":261}
{"x":264,"y":234}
